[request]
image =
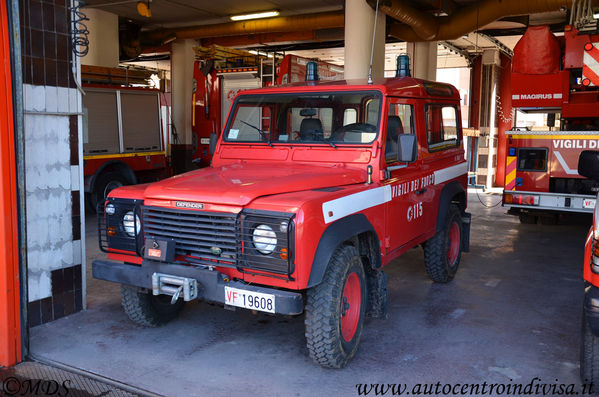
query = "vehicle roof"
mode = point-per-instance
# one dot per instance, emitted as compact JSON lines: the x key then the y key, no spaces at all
{"x":399,"y":86}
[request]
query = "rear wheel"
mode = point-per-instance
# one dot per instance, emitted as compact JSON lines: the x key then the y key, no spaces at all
{"x":443,"y":251}
{"x":527,"y":219}
{"x":335,"y":310}
{"x":106,"y":183}
{"x":549,"y":219}
{"x":146,"y":309}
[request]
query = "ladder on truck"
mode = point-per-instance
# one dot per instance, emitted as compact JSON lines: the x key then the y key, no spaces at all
{"x":268,"y":67}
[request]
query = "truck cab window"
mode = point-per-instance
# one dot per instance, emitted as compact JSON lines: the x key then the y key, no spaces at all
{"x":350,"y":116}
{"x":441,"y":127}
{"x":399,"y":121}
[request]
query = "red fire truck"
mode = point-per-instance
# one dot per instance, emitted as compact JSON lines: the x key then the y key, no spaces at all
{"x":215,"y":88}
{"x":553,"y":76}
{"x":312,"y":190}
{"x":124,"y":139}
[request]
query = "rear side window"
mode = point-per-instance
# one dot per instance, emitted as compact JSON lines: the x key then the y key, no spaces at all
{"x":441,"y":127}
{"x":532,"y":160}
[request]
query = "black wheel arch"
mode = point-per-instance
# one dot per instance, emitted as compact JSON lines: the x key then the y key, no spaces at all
{"x":452,"y":193}
{"x":355,"y":230}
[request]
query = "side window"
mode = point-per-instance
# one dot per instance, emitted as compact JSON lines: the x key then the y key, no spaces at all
{"x":350,"y":116}
{"x":399,"y":121}
{"x":372,"y":111}
{"x":532,"y":160}
{"x":441,"y":127}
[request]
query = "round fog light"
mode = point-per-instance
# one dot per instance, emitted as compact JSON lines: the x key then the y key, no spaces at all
{"x":264,"y":239}
{"x":131,"y":224}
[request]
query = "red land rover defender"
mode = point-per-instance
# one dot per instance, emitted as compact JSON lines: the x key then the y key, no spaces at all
{"x":312,"y":190}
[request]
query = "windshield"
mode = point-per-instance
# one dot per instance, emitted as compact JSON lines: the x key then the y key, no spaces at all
{"x":327,"y":118}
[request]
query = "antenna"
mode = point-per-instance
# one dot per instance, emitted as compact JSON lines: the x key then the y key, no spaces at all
{"x":376,"y":14}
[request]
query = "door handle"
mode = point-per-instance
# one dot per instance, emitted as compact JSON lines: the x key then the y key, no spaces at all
{"x":421,"y":191}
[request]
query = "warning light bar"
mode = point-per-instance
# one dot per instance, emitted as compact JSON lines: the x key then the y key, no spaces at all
{"x":238,"y":70}
{"x":520,"y":199}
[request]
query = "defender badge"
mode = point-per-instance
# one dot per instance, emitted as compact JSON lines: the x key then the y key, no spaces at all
{"x":188,"y":204}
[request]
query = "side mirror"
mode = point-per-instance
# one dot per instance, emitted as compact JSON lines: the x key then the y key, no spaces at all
{"x":407,"y":148}
{"x":588,"y":164}
{"x":213,"y":140}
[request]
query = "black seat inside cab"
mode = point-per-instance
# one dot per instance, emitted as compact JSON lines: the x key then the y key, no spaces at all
{"x":310,"y":128}
{"x":394,"y":129}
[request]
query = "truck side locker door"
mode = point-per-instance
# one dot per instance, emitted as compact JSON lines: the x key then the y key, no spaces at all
{"x":405,"y":212}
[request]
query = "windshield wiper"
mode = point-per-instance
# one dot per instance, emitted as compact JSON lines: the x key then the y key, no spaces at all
{"x":332,"y":144}
{"x":261,"y":132}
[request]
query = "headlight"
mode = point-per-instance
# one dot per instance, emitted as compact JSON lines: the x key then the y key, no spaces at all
{"x":131,"y":224}
{"x":264,"y":239}
{"x":110,"y":209}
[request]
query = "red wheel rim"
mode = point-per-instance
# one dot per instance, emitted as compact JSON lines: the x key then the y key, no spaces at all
{"x":453,"y":246}
{"x":350,"y":307}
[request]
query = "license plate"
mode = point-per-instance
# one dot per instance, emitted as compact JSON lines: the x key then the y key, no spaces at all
{"x":588,"y":203}
{"x":250,"y":299}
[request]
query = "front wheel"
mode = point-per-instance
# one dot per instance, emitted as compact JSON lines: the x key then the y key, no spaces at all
{"x":146,"y":309}
{"x":335,"y":310}
{"x":443,"y":251}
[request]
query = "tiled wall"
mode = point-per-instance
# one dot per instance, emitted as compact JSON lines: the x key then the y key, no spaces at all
{"x":52,"y":107}
{"x":46,"y":43}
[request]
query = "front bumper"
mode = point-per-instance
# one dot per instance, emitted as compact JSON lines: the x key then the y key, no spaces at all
{"x":211,"y":283}
{"x":591,"y":308}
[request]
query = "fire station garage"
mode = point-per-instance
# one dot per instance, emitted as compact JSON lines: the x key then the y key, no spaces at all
{"x":359,"y":197}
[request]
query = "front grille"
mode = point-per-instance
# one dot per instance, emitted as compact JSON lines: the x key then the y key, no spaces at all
{"x":199,"y":235}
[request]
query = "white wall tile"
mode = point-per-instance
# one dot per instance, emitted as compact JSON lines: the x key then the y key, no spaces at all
{"x":63,"y":99}
{"x":51,"y":99}
{"x":34,"y":98}
{"x":75,"y":177}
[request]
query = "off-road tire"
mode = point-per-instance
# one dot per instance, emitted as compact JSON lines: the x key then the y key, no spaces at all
{"x":549,"y":219}
{"x":106,"y":182}
{"x":146,"y":309}
{"x":589,"y":354}
{"x":324,"y":308}
{"x":436,"y":261}
{"x":527,"y":219}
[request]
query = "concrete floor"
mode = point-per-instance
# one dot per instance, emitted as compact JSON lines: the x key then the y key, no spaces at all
{"x":511,"y":314}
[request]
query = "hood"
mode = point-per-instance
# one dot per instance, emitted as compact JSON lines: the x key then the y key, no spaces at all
{"x":239,"y":184}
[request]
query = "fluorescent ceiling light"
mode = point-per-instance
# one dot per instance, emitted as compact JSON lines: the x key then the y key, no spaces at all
{"x":257,"y":15}
{"x":596,"y":15}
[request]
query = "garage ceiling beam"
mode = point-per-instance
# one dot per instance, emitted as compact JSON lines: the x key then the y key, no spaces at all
{"x":296,"y":23}
{"x":314,"y":36}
